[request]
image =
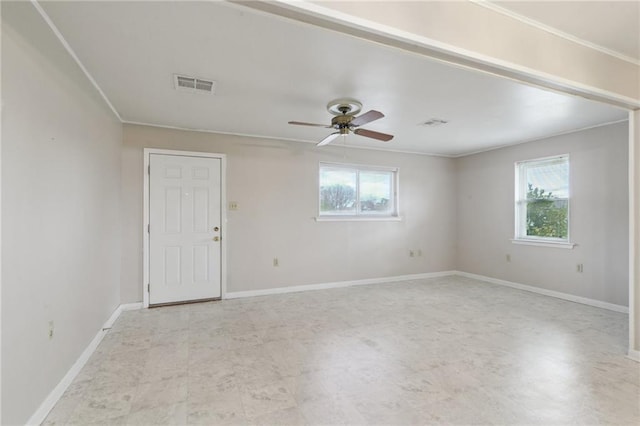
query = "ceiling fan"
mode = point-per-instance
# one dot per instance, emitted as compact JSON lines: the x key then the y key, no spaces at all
{"x":345,"y":121}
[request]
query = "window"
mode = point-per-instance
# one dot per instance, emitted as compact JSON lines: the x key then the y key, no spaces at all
{"x":542,"y":200}
{"x":357,"y":191}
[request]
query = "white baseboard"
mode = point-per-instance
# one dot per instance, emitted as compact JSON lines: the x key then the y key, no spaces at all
{"x":131,"y":306}
{"x":338,"y":284}
{"x":50,"y":401}
{"x":557,"y":294}
{"x":634,"y":355}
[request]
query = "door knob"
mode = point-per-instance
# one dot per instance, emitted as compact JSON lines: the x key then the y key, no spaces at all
{"x":216,"y":238}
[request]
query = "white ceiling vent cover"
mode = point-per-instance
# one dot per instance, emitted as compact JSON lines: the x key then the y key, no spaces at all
{"x":185,"y":83}
{"x":433,"y":122}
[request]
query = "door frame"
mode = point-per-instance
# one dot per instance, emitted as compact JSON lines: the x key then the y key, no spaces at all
{"x":146,"y":211}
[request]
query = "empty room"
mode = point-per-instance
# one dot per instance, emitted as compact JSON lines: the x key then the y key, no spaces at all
{"x":320,"y":213}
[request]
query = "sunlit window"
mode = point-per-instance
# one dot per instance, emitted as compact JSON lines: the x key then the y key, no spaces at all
{"x":542,"y":199}
{"x":346,"y":190}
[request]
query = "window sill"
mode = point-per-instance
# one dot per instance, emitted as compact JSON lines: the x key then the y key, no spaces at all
{"x":358,"y":219}
{"x":542,"y":243}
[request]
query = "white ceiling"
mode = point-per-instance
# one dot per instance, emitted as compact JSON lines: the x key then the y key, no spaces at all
{"x":270,"y":70}
{"x":613,"y":25}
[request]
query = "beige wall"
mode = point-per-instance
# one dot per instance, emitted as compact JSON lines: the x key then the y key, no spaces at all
{"x":598,"y":216}
{"x":476,"y":190}
{"x":60,"y":211}
{"x":634,"y":289}
{"x":275,"y":185}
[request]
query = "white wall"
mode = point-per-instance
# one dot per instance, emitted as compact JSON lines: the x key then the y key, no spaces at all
{"x":634,"y":260}
{"x":60,"y":211}
{"x":598,"y":216}
{"x":275,"y":185}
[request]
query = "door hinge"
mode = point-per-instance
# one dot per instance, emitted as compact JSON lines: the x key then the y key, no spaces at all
{"x":148,"y":170}
{"x":149,"y":288}
{"x":148,"y":228}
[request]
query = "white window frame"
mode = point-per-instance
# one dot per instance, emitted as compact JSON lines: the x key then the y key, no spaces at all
{"x":361,"y":216}
{"x":521,"y":190}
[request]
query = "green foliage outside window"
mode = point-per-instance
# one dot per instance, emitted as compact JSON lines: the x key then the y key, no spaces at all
{"x":546,"y":215}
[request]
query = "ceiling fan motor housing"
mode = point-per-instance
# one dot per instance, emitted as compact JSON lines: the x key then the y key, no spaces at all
{"x":342,"y":123}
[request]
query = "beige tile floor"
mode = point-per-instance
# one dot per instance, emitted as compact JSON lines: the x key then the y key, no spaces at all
{"x":439,"y":351}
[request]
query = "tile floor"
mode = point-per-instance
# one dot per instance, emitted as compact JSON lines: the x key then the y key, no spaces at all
{"x":439,"y":351}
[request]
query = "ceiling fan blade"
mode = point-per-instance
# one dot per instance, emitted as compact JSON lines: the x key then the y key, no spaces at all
{"x":367,"y":117}
{"x":328,"y":139}
{"x":375,"y":135}
{"x":302,"y":123}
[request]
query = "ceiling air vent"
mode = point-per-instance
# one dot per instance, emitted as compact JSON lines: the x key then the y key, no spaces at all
{"x":193,"y":84}
{"x":433,"y":122}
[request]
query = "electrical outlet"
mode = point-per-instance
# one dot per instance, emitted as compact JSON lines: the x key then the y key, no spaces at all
{"x":508,"y":258}
{"x":419,"y":252}
{"x":233,"y":205}
{"x":412,"y":253}
{"x":51,"y":329}
{"x":276,"y":262}
{"x":579,"y":267}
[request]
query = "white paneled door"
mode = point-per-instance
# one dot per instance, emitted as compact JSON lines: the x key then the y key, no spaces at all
{"x":185,"y":228}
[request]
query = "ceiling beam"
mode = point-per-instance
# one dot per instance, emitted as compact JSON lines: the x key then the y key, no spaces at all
{"x":468,"y":35}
